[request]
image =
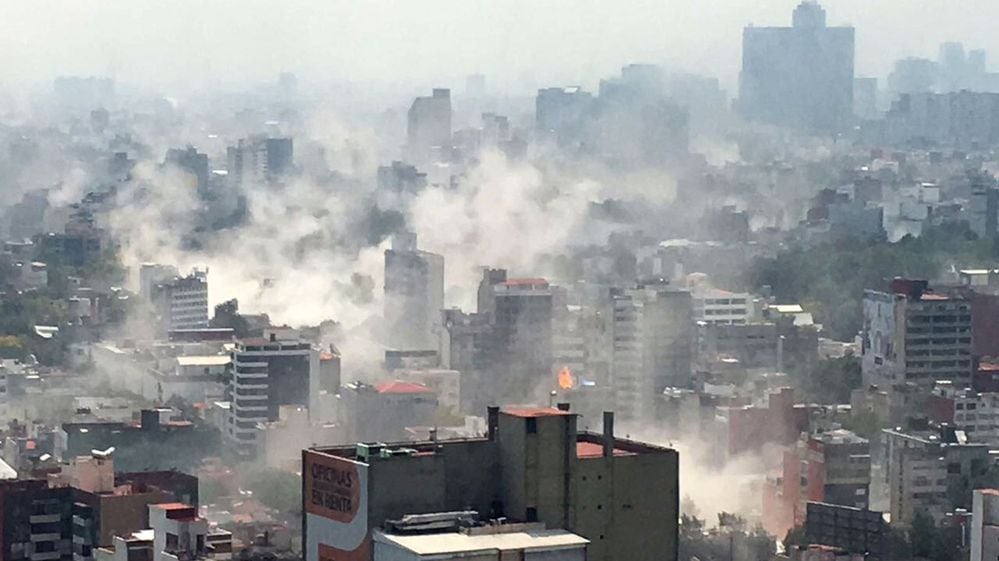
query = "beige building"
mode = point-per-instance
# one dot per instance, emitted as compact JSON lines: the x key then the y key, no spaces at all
{"x":984,"y":524}
{"x":533,"y":466}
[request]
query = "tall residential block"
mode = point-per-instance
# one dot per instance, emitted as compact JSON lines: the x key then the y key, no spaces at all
{"x":799,"y":76}
{"x":653,"y":346}
{"x":913,"y":335}
{"x":267,"y":373}
{"x":533,"y":467}
{"x":414,"y":294}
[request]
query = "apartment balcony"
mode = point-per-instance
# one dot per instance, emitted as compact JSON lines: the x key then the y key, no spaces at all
{"x":46,"y":537}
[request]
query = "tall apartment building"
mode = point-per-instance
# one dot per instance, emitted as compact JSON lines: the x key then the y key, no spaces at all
{"x":414,"y":294}
{"x":716,"y":306}
{"x":81,"y":508}
{"x":915,"y":471}
{"x":268,"y":373}
{"x":977,"y":414}
{"x":914,"y":335}
{"x":984,"y":524}
{"x":151,"y":274}
{"x":429,"y":124}
{"x":521,"y":344}
{"x":832,"y":467}
{"x":259,"y":160}
{"x":963,"y":119}
{"x":464,"y":349}
{"x":506,"y":350}
{"x":633,"y":120}
{"x":194,"y":163}
{"x":37,"y":522}
{"x":799,"y":76}
{"x":182,"y":302}
{"x":559,"y":112}
{"x":534,"y":466}
{"x":653,"y":346}
{"x":400,"y":177}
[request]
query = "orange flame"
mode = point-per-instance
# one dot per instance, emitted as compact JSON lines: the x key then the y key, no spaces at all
{"x":566,"y":381}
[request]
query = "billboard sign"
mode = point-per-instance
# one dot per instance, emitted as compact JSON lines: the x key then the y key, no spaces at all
{"x":335,"y":493}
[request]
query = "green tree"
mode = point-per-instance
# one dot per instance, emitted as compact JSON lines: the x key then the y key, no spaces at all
{"x":276,"y":488}
{"x":922,"y":534}
{"x":227,"y":315}
{"x":210,"y":490}
{"x":930,"y":542}
{"x":865,"y":423}
{"x":11,"y":346}
{"x":830,"y":380}
{"x":831,"y":277}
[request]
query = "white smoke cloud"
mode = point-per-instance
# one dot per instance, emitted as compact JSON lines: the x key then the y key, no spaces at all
{"x":294,"y":258}
{"x":502,"y":214}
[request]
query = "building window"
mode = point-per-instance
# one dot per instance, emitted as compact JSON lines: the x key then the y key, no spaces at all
{"x":531,"y":425}
{"x":532,"y":514}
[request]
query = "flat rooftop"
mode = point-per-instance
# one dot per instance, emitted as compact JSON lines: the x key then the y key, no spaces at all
{"x":454,"y":543}
{"x":596,"y":450}
{"x":528,"y":412}
{"x":204,"y":360}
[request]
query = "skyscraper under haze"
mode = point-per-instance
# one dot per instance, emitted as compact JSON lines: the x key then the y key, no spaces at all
{"x":414,"y":294}
{"x":429,"y":125}
{"x":799,"y":76}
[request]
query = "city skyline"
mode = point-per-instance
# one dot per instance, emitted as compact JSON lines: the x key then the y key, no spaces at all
{"x":385,"y":44}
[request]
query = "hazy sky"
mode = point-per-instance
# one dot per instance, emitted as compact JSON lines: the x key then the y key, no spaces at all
{"x":516,"y":43}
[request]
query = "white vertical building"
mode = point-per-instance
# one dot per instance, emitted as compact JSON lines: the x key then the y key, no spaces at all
{"x":176,"y":533}
{"x":267,"y":374}
{"x":182,"y":302}
{"x":721,"y":307}
{"x":152,"y":274}
{"x":653,"y":331}
{"x":985,"y":525}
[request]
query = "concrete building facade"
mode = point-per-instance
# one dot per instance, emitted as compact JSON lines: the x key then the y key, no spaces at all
{"x":653,"y":345}
{"x":534,"y":466}
{"x":799,"y":76}
{"x":429,"y":125}
{"x":414,"y":294}
{"x":914,"y":335}
{"x":268,"y":373}
{"x":182,"y":302}
{"x":913,"y":472}
{"x":984,"y":524}
{"x":259,"y":160}
{"x":522,"y":337}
